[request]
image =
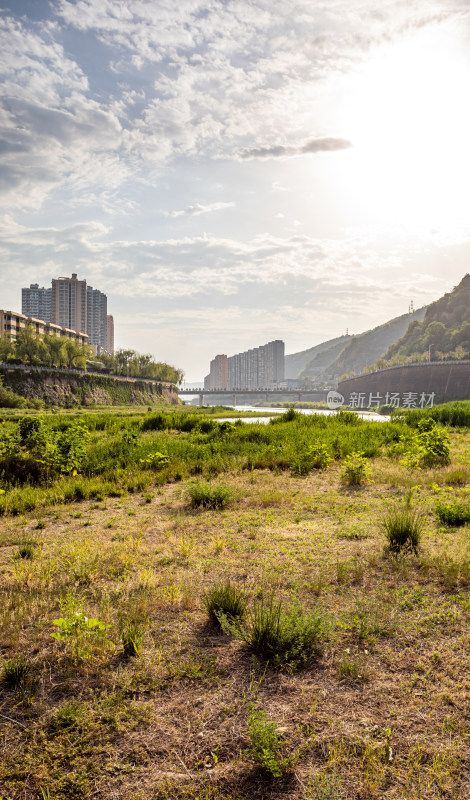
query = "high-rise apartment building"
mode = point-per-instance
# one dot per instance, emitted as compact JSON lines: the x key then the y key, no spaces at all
{"x":259,"y":368}
{"x":36,"y":302}
{"x":73,"y":305}
{"x":69,"y":303}
{"x":110,"y":333}
{"x":97,"y":312}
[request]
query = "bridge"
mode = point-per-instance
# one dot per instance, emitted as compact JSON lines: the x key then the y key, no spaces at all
{"x":263,"y":394}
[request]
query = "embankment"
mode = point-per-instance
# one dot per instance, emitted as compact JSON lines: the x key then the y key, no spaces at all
{"x":71,"y":388}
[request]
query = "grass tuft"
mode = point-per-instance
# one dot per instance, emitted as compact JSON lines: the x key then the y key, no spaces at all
{"x":227,"y":600}
{"x":208,"y":495}
{"x":403,"y":528}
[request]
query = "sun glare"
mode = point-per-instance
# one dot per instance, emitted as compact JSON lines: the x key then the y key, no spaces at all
{"x":407,"y":115}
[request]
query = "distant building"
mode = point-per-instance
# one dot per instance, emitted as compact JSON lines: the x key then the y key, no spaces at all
{"x":96,"y":316}
{"x":110,"y":333}
{"x":72,"y":304}
{"x":69,"y":303}
{"x":11,"y":323}
{"x":218,"y":376}
{"x":36,"y":302}
{"x":259,"y":368}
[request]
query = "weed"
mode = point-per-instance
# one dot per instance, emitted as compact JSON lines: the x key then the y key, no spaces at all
{"x":266,"y":745}
{"x":15,"y":672}
{"x":403,"y":528}
{"x":280,"y":637}
{"x":429,"y":447}
{"x":207,"y":495}
{"x":452,"y":512}
{"x":356,"y":470}
{"x":77,"y":631}
{"x":132,"y":632}
{"x":324,"y":786}
{"x":25,"y":551}
{"x":353,"y":667}
{"x":226,"y":599}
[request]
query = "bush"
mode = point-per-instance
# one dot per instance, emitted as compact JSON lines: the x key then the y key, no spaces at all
{"x":356,"y":470}
{"x":403,"y":528}
{"x":206,"y":495}
{"x":224,"y":599}
{"x":317,"y":456}
{"x":266,"y":744}
{"x":280,"y":637}
{"x":429,"y":447}
{"x":452,"y":513}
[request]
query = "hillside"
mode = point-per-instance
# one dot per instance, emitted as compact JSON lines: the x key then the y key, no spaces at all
{"x":365,"y":349}
{"x":445,"y":329}
{"x":296,"y":363}
{"x":349,"y":353}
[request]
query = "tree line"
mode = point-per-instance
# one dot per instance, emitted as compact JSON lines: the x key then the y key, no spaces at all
{"x":30,"y":348}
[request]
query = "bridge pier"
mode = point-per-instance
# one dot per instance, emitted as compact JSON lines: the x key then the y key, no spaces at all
{"x":201,"y":398}
{"x":234,"y":399}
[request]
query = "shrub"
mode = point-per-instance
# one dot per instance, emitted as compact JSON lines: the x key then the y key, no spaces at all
{"x":452,"y":512}
{"x":266,"y":744}
{"x":280,"y":637}
{"x":206,"y":495}
{"x":429,"y":447}
{"x":356,"y":470}
{"x":226,"y":599}
{"x":317,"y":456}
{"x":25,"y":551}
{"x":403,"y":528}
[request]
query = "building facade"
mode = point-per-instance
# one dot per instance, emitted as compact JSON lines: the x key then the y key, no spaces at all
{"x":11,"y":323}
{"x":36,"y":302}
{"x":259,"y":368}
{"x":96,"y":315}
{"x":69,"y":303}
{"x":110,"y":333}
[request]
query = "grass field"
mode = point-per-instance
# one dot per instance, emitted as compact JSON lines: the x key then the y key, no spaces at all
{"x":141,"y":694}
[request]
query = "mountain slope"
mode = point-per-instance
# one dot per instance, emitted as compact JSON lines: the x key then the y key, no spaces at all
{"x":445,"y":329}
{"x":366,"y":348}
{"x":295,"y":363}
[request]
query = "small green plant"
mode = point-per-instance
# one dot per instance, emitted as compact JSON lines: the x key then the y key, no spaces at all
{"x":317,"y":456}
{"x":266,"y":745}
{"x":132,"y":632}
{"x":452,"y":512}
{"x":226,"y":599}
{"x":78,"y":632}
{"x":356,"y":470}
{"x":282,"y":637}
{"x":403,"y":528}
{"x":25,"y":551}
{"x":155,"y":460}
{"x":353,"y":667}
{"x":428,"y":447}
{"x":15,"y":672}
{"x":207,"y":495}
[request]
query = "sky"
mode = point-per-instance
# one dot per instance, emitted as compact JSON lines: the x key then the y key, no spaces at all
{"x":230,"y":172}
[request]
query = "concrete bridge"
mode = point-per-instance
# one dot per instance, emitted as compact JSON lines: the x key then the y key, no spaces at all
{"x":241,"y":396}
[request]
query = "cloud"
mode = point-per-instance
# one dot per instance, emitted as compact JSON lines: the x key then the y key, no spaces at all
{"x":197,"y":209}
{"x":326,"y":144}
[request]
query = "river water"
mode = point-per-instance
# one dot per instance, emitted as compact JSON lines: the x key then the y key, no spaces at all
{"x":273,"y":411}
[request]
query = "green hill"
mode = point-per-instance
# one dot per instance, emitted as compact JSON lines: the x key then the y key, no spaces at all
{"x":445,"y":329}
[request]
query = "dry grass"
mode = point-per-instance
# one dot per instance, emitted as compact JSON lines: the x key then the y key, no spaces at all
{"x":383,"y":713}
